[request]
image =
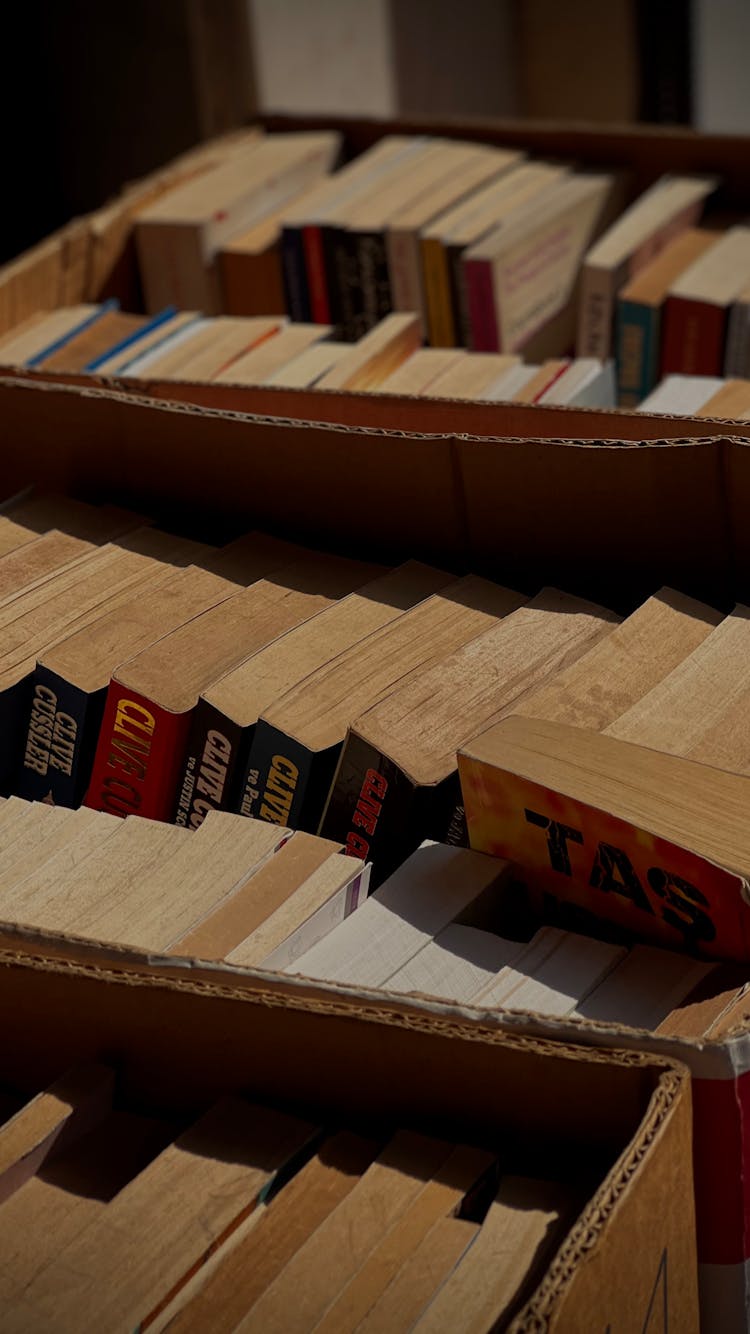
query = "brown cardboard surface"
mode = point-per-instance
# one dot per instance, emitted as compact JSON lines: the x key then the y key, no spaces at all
{"x":284,"y":1041}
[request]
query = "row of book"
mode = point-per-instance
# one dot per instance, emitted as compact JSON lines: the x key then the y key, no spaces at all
{"x":251,"y":1217}
{"x":314,"y":692}
{"x":189,"y":348}
{"x":700,"y":396}
{"x":492,"y":252}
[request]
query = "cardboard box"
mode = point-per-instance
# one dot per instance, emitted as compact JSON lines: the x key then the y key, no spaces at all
{"x":629,"y":1259}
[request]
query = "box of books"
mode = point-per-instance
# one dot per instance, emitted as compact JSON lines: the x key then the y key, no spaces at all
{"x":269,"y":1153}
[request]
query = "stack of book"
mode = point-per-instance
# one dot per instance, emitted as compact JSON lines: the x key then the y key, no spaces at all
{"x":249,"y":1216}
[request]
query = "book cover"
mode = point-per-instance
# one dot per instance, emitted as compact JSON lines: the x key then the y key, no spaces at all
{"x":209,"y":769}
{"x":480,"y":302}
{"x":295,"y":274}
{"x":569,"y":851}
{"x":638,"y":351}
{"x":138,"y":757}
{"x":315,"y":268}
{"x":694,"y":336}
{"x":285,"y":782}
{"x":62,"y":731}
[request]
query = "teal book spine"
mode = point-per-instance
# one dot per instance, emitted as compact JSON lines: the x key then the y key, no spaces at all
{"x":638,"y":351}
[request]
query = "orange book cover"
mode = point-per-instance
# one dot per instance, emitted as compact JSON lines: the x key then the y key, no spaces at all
{"x":138,"y":757}
{"x":571,"y":853}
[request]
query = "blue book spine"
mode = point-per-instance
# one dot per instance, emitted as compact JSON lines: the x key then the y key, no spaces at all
{"x":638,"y":351}
{"x":133,"y":338}
{"x":50,"y":350}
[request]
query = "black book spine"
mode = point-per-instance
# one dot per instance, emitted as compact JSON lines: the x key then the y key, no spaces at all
{"x":285,"y":782}
{"x":346,"y":287}
{"x":15,"y":703}
{"x":375,"y":809}
{"x":294,"y":272}
{"x":61,"y":731}
{"x":445,"y":819}
{"x":208,"y":771}
{"x":459,"y":297}
{"x":374,"y":282}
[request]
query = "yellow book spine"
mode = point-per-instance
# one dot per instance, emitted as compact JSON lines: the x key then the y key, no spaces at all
{"x":440,"y":322}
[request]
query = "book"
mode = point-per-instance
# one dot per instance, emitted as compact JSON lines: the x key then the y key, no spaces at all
{"x":421,"y":1275}
{"x":553,"y":975}
{"x":250,"y":267}
{"x":524,"y":1224}
{"x":307,"y":367}
{"x":650,"y":841}
{"x":150,"y":700}
{"x":541,"y":380}
{"x":481,"y":165}
{"x":586,"y":383}
{"x":681,"y":395}
{"x":169,"y":352}
{"x":307,"y":239}
{"x":72,"y":677}
{"x":731,"y":400}
{"x":644,"y":988}
{"x":523,"y":274}
{"x":393,"y":1185}
{"x":178,"y":236}
{"x":214,"y":743}
{"x":268,"y":889}
{"x":305,"y":916}
{"x":417,"y":373}
{"x":667,"y":208}
{"x":512,"y":383}
{"x":305,"y":728}
{"x":737,"y":349}
{"x":146,"y":340}
{"x":215,"y":349}
{"x":697,"y":309}
{"x":640,"y":311}
{"x":91,"y":342}
{"x":376,"y":355}
{"x":444,"y":241}
{"x":428,"y":891}
{"x":94,"y":523}
{"x":40,"y":333}
{"x":255,"y":366}
{"x":160,"y":1241}
{"x":471,"y":376}
{"x":289,"y":1219}
{"x":456,"y":964}
{"x":396,"y":783}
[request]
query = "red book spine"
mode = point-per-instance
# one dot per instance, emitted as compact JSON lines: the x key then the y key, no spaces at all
{"x":481,"y":305}
{"x":138,"y":757}
{"x":312,"y":241}
{"x":693,"y":338}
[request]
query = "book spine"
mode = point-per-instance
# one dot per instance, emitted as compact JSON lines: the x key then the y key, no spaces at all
{"x":208,"y":770}
{"x":481,"y":305}
{"x":375,"y":283}
{"x":595,"y":312}
{"x":637,"y":351}
{"x":435,"y":274}
{"x":287,"y":784}
{"x":62,"y":729}
{"x":345,"y":263}
{"x":295,"y":277}
{"x":458,"y":297}
{"x":317,"y":283}
{"x":14,"y":712}
{"x":138,"y":758}
{"x":694,"y":335}
{"x":404,"y":269}
{"x":374,"y":809}
{"x":737,"y":356}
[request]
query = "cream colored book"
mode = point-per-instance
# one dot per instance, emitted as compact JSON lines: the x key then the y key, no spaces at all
{"x":169,"y":353}
{"x":307,"y":916}
{"x":670,"y":206}
{"x":622,"y":668}
{"x":305,"y":369}
{"x":457,"y":964}
{"x":120,"y":362}
{"x":40,"y":884}
{"x":164,"y":1224}
{"x":428,"y":891}
{"x":555,"y":983}
{"x":268,"y":888}
{"x":377,"y":355}
{"x":587,"y":383}
{"x":524,"y":1223}
{"x":418,"y":372}
{"x":225,"y":342}
{"x":681,"y":395}
{"x":702,"y":709}
{"x":256,"y":366}
{"x":471,"y":376}
{"x":23,"y":860}
{"x":511,"y":383}
{"x":532,"y":390}
{"x":34,"y":336}
{"x":732,"y":400}
{"x":644,"y":988}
